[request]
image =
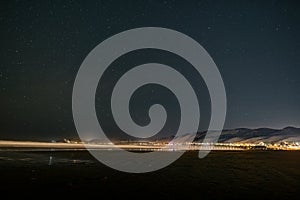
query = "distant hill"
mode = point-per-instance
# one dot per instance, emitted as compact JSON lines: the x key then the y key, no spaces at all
{"x":245,"y":135}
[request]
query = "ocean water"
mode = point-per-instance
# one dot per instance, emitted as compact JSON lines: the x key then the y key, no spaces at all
{"x":222,"y":174}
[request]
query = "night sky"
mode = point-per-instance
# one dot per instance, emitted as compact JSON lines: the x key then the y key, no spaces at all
{"x":255,"y":45}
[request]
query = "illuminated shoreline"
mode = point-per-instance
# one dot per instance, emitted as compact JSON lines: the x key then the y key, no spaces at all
{"x":145,"y":146}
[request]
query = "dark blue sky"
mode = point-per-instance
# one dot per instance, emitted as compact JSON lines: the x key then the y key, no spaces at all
{"x":255,"y":44}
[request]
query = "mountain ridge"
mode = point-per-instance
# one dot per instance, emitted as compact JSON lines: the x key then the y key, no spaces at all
{"x":248,"y":135}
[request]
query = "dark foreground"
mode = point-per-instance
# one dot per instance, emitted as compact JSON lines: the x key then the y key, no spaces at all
{"x":248,"y":174}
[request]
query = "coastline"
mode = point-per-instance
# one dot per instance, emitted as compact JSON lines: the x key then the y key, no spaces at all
{"x":27,"y":145}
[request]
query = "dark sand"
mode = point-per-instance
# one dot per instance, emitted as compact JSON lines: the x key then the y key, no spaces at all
{"x":234,"y":174}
